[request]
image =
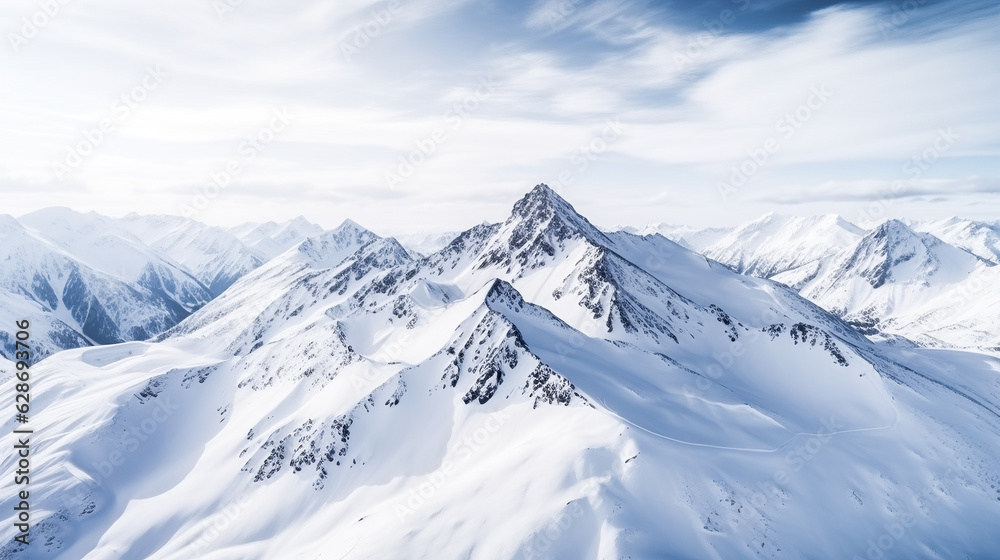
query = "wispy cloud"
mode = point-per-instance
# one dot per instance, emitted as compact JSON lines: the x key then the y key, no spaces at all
{"x":698,"y":88}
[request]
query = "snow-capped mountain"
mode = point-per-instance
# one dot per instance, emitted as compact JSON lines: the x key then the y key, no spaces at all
{"x":94,"y":241}
{"x":791,"y":246}
{"x":270,"y":239}
{"x":213,"y":256}
{"x":979,"y":238}
{"x":899,"y":281}
{"x":537,"y":388}
{"x":696,"y":239}
{"x":89,"y":279}
{"x":894,"y":254}
{"x":55,"y":281}
{"x":894,"y":280}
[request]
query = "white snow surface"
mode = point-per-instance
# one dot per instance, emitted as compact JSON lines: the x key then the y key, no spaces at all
{"x":537,"y":388}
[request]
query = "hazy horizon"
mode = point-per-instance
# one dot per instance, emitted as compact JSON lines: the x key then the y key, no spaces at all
{"x":430,"y":230}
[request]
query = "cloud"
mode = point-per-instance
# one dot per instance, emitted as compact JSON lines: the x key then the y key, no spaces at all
{"x":697,"y":94}
{"x":869,"y":190}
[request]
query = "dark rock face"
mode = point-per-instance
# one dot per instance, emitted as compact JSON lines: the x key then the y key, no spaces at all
{"x":88,"y":311}
{"x":892,"y":244}
{"x":548,"y":387}
{"x":811,"y":335}
{"x":44,"y":293}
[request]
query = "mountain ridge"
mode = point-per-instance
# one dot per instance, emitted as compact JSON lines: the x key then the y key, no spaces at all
{"x":531,"y":374}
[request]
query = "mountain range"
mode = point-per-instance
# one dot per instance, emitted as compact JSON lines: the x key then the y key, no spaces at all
{"x":535,"y":388}
{"x":931,"y":282}
{"x":87,"y":279}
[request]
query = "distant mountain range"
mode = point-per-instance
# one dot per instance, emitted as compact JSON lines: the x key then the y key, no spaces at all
{"x":934,"y":282}
{"x":87,"y":279}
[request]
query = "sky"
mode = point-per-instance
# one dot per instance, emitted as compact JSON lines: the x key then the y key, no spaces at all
{"x":422,"y":115}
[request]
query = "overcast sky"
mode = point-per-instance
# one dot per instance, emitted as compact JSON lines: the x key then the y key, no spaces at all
{"x":422,"y":114}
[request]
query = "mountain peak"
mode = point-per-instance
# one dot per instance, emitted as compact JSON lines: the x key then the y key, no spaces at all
{"x":893,"y":223}
{"x":331,"y":247}
{"x":894,"y":243}
{"x":543,"y":209}
{"x":893,"y":229}
{"x":541,"y":197}
{"x":540,"y":225}
{"x":839,"y":221}
{"x":892,"y":235}
{"x":300,"y":221}
{"x":350,"y":225}
{"x":504,"y":292}
{"x":542,"y":188}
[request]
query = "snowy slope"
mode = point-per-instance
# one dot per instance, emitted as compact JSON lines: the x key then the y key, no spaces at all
{"x":270,"y":239}
{"x":536,"y":389}
{"x":979,"y":238}
{"x":73,"y":304}
{"x":696,"y":239}
{"x":898,"y":281}
{"x":94,"y":241}
{"x":788,"y":245}
{"x":89,"y":279}
{"x":213,"y":256}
